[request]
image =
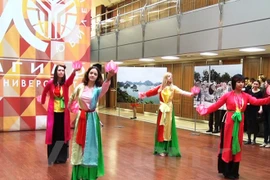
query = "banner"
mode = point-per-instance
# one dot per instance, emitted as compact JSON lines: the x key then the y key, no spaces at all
{"x":35,"y":36}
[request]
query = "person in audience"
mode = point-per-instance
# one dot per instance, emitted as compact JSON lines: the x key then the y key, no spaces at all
{"x":58,"y":118}
{"x":232,"y":129}
{"x":166,"y":140}
{"x":87,"y":154}
{"x":252,"y":113}
{"x":214,"y":117}
{"x":266,"y":112}
{"x":247,"y":86}
{"x":246,"y":89}
{"x":262,"y":79}
{"x":213,"y":122}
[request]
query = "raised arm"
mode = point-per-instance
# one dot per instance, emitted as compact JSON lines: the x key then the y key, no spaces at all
{"x":105,"y":87}
{"x":70,"y":79}
{"x":106,"y":83}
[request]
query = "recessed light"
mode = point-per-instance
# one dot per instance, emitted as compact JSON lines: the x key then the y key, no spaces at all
{"x":118,"y":62}
{"x":208,"y":54}
{"x":170,"y":57}
{"x":252,"y":49}
{"x":146,"y":59}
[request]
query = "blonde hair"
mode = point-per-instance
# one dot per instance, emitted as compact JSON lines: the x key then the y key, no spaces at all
{"x":165,"y":81}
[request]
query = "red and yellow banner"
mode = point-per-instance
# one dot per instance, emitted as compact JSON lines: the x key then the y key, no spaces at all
{"x":35,"y":36}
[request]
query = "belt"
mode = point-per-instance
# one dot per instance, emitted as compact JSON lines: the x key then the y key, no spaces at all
{"x":88,"y":110}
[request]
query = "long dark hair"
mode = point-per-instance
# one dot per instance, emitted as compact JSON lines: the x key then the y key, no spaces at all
{"x":236,"y":78}
{"x":55,"y":76}
{"x":99,"y":79}
{"x":211,"y":91}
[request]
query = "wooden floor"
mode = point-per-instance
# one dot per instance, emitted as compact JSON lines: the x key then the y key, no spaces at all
{"x":128,"y":154}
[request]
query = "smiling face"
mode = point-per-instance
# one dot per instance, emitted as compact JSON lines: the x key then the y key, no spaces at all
{"x":256,"y":84}
{"x":92,"y":75}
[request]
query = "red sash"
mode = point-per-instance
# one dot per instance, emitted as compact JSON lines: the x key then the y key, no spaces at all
{"x":81,"y":133}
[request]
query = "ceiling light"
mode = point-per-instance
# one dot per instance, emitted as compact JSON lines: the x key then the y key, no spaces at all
{"x":208,"y":54}
{"x":146,"y":59}
{"x":252,"y":49}
{"x":118,"y":62}
{"x":170,"y":57}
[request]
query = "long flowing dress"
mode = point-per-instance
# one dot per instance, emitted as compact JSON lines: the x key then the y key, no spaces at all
{"x":58,"y":120}
{"x":166,"y":139}
{"x":87,"y":154}
{"x":230,"y":152}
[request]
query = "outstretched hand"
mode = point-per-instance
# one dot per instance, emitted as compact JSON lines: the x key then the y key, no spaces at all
{"x":142,"y":95}
{"x":195,"y":90}
{"x":201,"y":109}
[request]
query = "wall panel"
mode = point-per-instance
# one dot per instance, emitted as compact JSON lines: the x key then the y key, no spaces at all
{"x":161,"y":47}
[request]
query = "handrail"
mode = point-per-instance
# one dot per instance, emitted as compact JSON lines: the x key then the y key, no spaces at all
{"x":133,"y":2}
{"x":126,"y":19}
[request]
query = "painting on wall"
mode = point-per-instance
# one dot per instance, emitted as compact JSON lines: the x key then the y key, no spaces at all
{"x":132,"y":80}
{"x":214,"y":81}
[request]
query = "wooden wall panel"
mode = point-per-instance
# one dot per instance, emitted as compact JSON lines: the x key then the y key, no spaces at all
{"x":143,"y":2}
{"x":265,"y":67}
{"x":201,"y":3}
{"x":153,"y":108}
{"x":211,"y":2}
{"x":251,"y":67}
{"x":164,"y":11}
{"x":177,"y":78}
{"x":232,"y":61}
{"x":113,"y":98}
{"x":187,"y":5}
{"x":169,"y":67}
{"x":187,"y":83}
{"x":172,"y":11}
{"x":136,"y":15}
{"x":128,"y":20}
{"x":102,"y":101}
{"x":153,"y":13}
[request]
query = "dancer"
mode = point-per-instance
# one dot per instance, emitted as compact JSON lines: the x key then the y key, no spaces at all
{"x":58,"y":119}
{"x":166,"y":140}
{"x":232,"y":128}
{"x":87,"y":155}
